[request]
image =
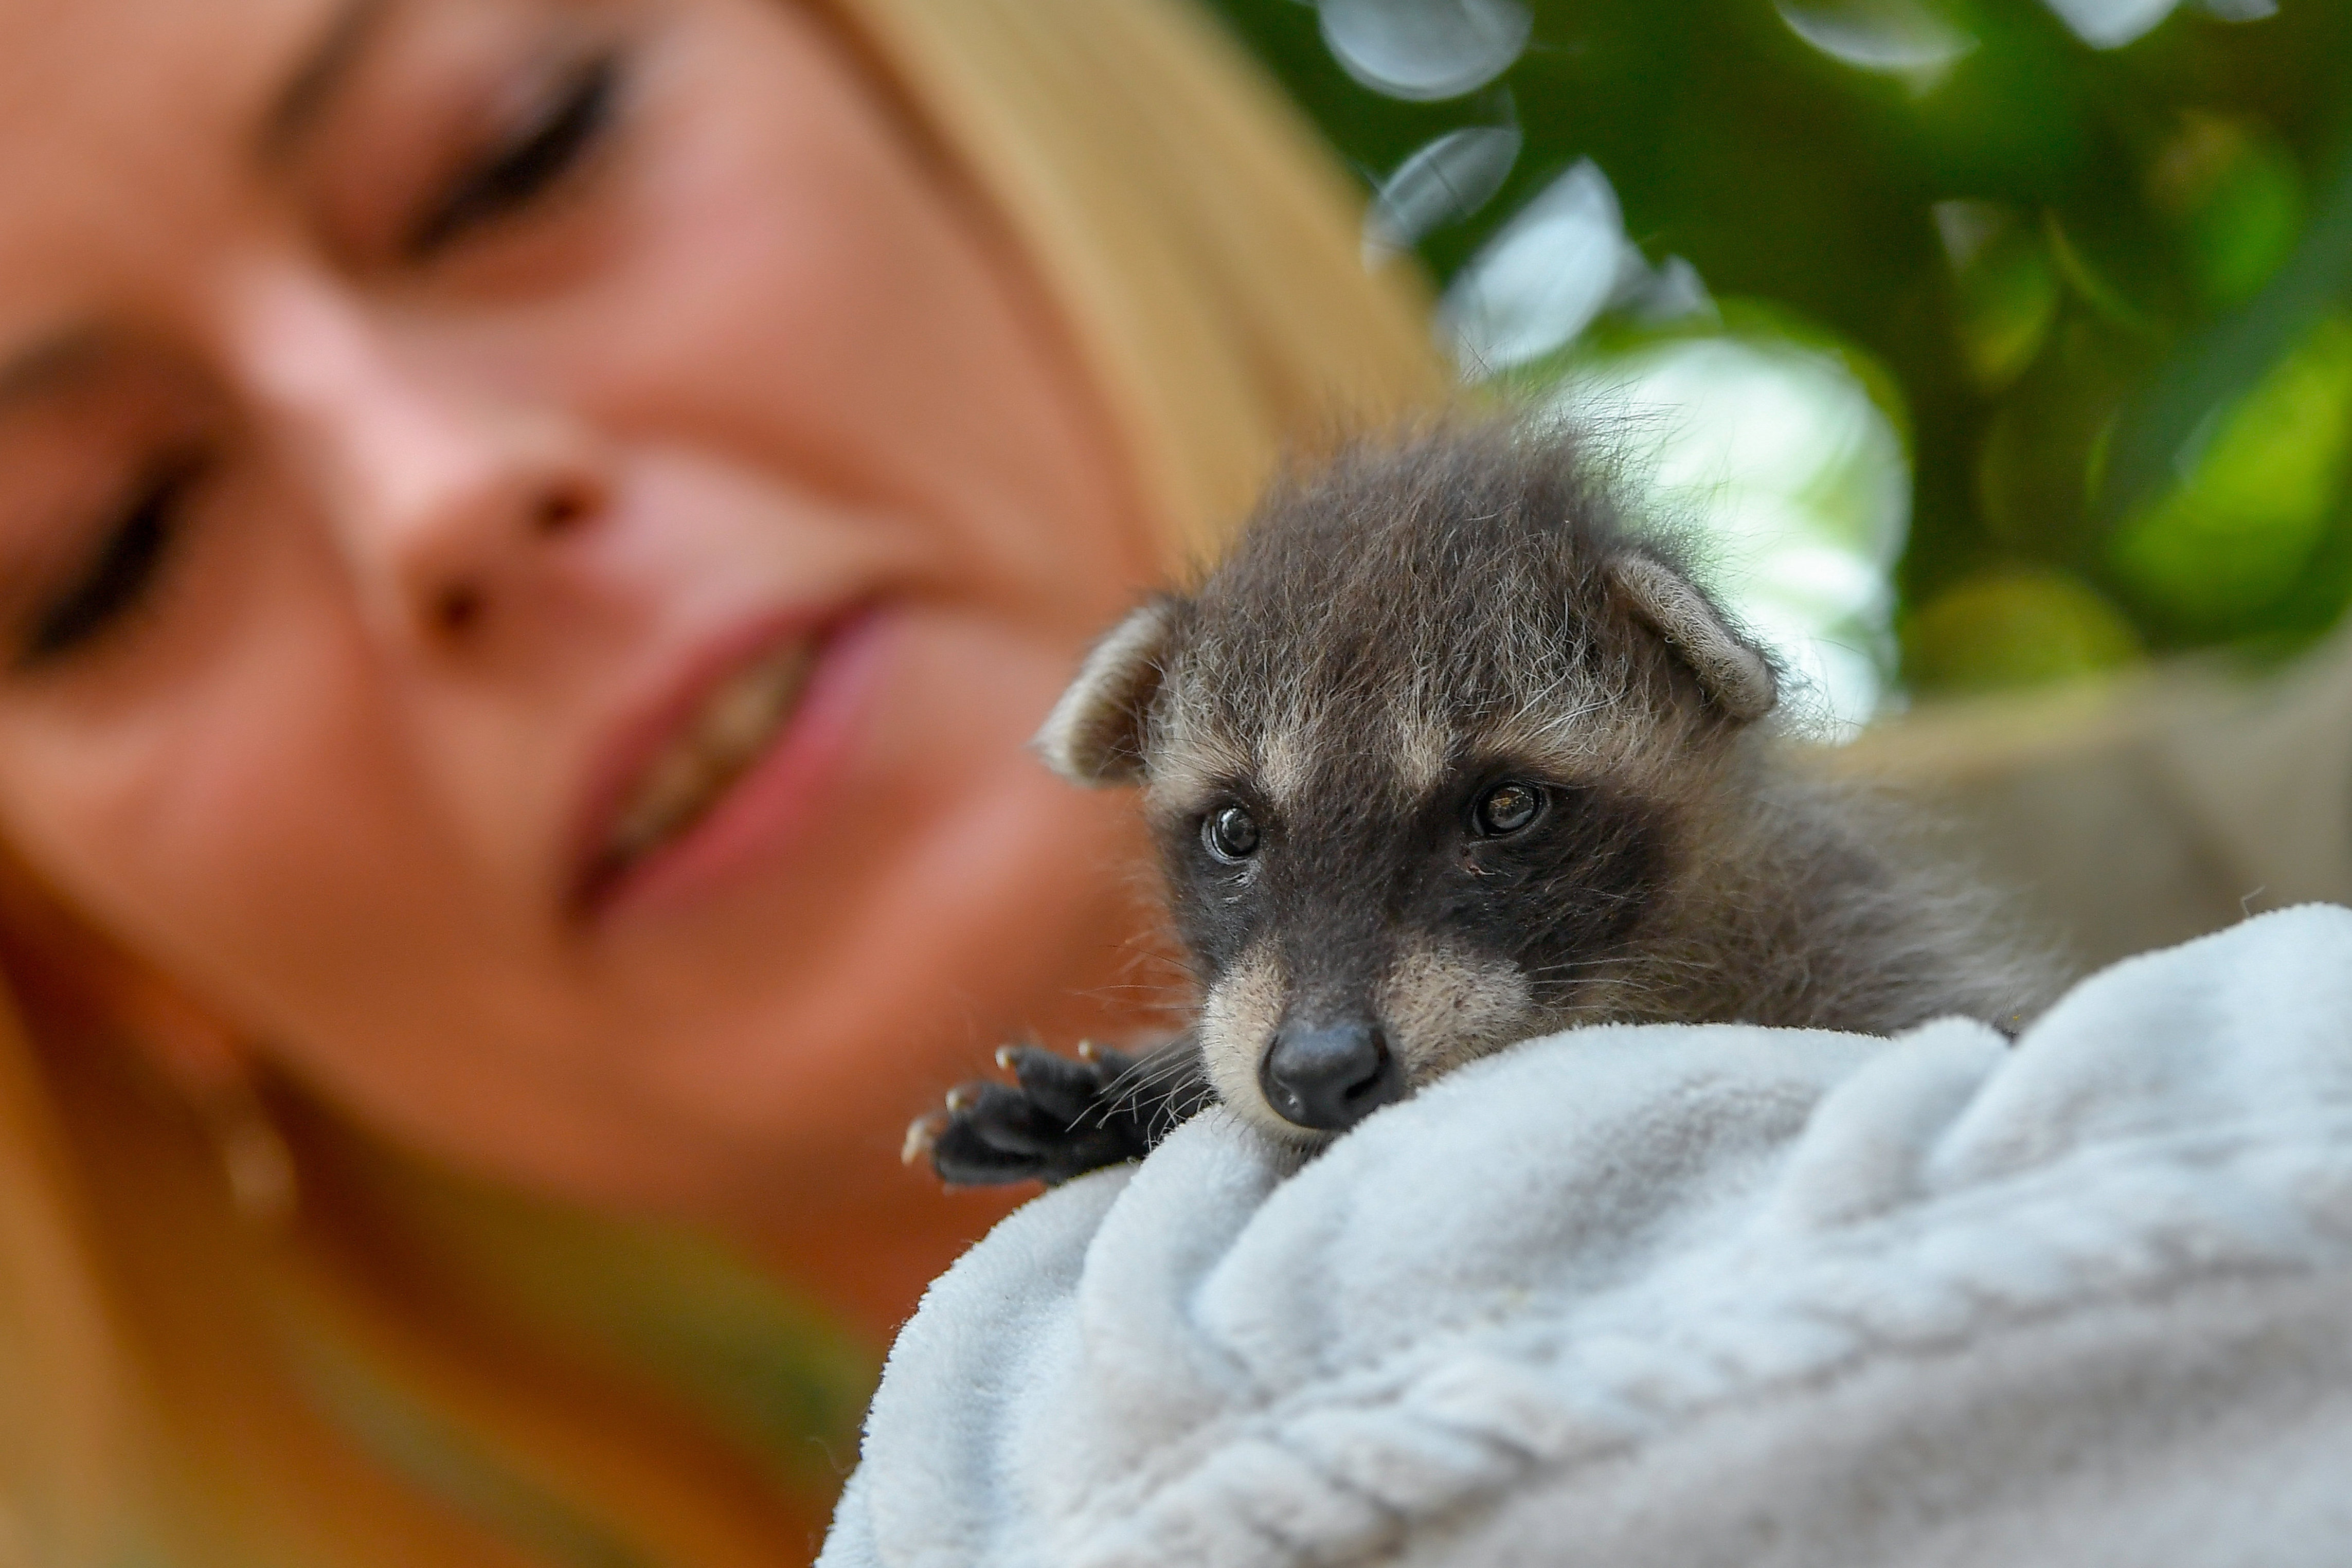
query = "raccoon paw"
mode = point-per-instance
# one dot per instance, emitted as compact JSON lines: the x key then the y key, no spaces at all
{"x":1059,"y":1118}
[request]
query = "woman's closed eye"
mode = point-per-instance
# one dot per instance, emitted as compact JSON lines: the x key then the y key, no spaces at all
{"x":119,"y":576}
{"x":566,"y":126}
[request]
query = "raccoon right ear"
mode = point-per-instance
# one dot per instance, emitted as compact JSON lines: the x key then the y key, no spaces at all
{"x":1094,"y":737}
{"x":1735,"y":674}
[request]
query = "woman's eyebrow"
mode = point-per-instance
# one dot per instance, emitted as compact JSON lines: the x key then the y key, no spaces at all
{"x":308,"y":90}
{"x":324,"y":71}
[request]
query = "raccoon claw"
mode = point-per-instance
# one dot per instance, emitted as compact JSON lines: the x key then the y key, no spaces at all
{"x":922,"y":1132}
{"x":1069,"y":1091}
{"x":1059,"y":1118}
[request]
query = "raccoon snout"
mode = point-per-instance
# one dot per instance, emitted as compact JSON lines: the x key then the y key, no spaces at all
{"x":1331,"y":1076}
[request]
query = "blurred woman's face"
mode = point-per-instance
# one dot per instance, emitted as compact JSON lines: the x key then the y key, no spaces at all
{"x":531,"y":535}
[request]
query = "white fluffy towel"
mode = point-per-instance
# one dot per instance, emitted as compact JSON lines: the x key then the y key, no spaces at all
{"x":1682,"y":1296}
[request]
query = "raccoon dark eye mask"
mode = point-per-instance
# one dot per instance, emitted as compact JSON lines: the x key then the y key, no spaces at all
{"x":1443,"y":755}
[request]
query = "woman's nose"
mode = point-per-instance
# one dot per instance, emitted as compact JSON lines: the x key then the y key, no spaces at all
{"x":444,"y":498}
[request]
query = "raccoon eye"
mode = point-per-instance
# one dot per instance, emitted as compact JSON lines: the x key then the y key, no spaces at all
{"x":1506,"y":808}
{"x":1230,"y":834}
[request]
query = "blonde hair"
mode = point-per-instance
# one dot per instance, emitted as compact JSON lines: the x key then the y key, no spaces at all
{"x":162,"y":1359}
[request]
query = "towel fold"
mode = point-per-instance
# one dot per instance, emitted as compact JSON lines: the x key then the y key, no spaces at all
{"x":1684,"y":1295}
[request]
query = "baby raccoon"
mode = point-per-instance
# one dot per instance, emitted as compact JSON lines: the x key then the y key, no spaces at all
{"x":1441,"y":756}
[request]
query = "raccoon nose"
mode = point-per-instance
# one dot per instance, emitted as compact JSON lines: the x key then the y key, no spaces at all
{"x":1329,"y":1077}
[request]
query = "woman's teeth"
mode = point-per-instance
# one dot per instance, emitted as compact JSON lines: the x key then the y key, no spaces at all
{"x":723,"y":739}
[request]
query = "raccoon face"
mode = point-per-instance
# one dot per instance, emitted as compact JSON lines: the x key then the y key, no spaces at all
{"x":1421,"y":758}
{"x":1356,"y":941}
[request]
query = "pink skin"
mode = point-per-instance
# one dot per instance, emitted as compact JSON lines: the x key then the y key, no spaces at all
{"x":474,"y":528}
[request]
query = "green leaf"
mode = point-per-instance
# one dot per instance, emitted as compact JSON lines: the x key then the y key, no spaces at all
{"x":2231,"y":191}
{"x":2005,"y":288}
{"x":2158,"y":431}
{"x":2231,"y":538}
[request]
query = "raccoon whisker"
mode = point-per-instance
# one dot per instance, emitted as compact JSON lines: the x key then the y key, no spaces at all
{"x":1589,"y":961}
{"x":1143,"y":1074}
{"x":1622,"y":955}
{"x":1180,"y":1097}
{"x":1167,"y":1072}
{"x":1584,"y":966}
{"x":1179,"y":1093}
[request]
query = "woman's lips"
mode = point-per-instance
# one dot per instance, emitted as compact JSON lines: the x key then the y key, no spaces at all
{"x":730,"y":729}
{"x":731,"y":762}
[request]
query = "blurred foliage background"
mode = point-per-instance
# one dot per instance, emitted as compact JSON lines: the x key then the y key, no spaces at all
{"x":1991,"y":342}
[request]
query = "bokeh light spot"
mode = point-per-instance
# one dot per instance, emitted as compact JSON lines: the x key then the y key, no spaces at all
{"x":1778,"y":461}
{"x":2016,"y":627}
{"x":1423,"y":50}
{"x":1443,"y":182}
{"x":2112,"y":24}
{"x":1903,"y":38}
{"x":1560,"y":261}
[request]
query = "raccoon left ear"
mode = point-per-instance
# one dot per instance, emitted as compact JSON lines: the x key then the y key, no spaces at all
{"x":1094,"y":737}
{"x":1735,"y":673}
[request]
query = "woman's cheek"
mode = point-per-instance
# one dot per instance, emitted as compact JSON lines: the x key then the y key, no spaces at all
{"x":800,"y":295}
{"x":250,"y":835}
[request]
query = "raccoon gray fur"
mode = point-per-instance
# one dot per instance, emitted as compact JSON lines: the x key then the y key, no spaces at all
{"x":1443,"y":755}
